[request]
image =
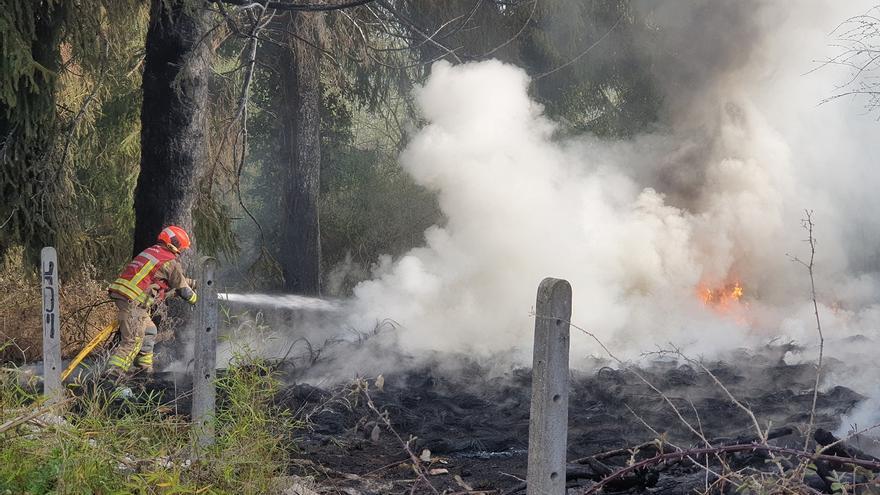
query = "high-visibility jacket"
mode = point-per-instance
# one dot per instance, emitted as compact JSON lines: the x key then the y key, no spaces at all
{"x":138,"y":280}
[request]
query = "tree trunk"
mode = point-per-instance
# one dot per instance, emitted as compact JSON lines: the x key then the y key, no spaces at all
{"x":300,"y":253}
{"x":173,"y":119}
{"x":173,"y":128}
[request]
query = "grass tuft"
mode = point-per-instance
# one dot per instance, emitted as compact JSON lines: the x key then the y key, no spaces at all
{"x":98,"y":444}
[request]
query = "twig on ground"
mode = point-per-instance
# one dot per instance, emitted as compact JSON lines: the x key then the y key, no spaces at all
{"x":681,"y":455}
{"x":660,"y":437}
{"x":618,"y":452}
{"x":24,"y":418}
{"x":417,"y":464}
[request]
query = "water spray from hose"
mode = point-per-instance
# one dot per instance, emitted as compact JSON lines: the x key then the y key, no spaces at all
{"x":286,"y":301}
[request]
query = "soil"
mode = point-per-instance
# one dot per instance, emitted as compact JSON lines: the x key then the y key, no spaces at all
{"x":475,"y":425}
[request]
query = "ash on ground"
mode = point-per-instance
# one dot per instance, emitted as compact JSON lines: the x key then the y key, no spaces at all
{"x":470,"y":427}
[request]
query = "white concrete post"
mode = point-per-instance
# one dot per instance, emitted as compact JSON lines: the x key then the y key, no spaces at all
{"x":51,"y":323}
{"x":548,"y":419}
{"x":205,"y":354}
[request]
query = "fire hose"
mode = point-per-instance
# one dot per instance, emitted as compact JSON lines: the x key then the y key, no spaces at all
{"x":97,"y":340}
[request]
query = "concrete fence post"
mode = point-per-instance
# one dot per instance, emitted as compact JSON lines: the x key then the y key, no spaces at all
{"x":548,"y":420}
{"x":205,"y":355}
{"x":51,"y":323}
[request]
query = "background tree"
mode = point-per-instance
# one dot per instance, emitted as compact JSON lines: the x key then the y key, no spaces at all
{"x":68,"y":108}
{"x":300,"y":69}
{"x":173,"y":118}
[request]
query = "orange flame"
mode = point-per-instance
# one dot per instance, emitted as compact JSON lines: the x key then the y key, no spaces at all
{"x":722,"y":299}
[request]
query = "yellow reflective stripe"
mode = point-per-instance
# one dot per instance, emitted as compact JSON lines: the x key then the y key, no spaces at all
{"x":130,"y":288}
{"x":120,"y":286}
{"x":124,"y":361}
{"x":139,"y":276}
{"x":146,"y":359}
{"x":119,"y":363}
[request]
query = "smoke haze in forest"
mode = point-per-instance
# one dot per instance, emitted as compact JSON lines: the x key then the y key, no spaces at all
{"x":712,"y":196}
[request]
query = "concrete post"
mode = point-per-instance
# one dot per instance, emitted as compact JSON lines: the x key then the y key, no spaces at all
{"x":548,"y":420}
{"x":51,"y":323}
{"x":205,"y":356}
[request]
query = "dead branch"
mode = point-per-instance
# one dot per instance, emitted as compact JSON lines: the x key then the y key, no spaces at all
{"x":653,"y":444}
{"x":411,"y":25}
{"x":582,"y":54}
{"x":808,"y":225}
{"x":24,"y":418}
{"x":762,"y":434}
{"x":839,"y":447}
{"x":729,"y":449}
{"x":312,"y":7}
{"x":641,"y":377}
{"x":852,"y":434}
{"x":522,"y":28}
{"x":417,"y":464}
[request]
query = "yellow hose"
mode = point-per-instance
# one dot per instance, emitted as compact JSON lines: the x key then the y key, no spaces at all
{"x":95,"y":342}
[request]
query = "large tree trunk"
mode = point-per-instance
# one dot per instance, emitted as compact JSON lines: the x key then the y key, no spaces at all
{"x":173,"y":119}
{"x":300,"y":254}
{"x":173,"y":128}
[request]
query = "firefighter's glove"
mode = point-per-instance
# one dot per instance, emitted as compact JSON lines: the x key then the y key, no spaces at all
{"x":193,"y":283}
{"x":188,"y":295}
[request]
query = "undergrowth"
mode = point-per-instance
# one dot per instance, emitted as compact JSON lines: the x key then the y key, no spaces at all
{"x":85,"y":309}
{"x":96,"y":443}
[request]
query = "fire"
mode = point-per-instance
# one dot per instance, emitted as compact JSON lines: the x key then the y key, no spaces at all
{"x":724,"y":298}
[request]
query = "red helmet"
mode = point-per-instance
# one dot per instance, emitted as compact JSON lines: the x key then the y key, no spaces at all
{"x":175,"y":238}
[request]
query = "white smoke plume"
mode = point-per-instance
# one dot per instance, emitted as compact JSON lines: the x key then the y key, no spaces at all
{"x":714,"y":195}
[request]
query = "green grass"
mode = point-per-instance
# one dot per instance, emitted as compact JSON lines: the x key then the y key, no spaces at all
{"x":102,"y":448}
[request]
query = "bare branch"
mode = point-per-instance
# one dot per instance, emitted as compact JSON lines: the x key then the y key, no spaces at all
{"x":641,"y":377}
{"x":417,"y":464}
{"x":310,"y":7}
{"x":808,"y":225}
{"x":411,"y":25}
{"x":581,"y":55}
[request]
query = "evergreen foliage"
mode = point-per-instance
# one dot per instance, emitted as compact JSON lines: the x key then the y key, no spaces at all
{"x":69,"y":126}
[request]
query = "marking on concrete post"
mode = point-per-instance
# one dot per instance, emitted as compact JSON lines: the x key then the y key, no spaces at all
{"x":51,"y":323}
{"x":548,"y":420}
{"x":205,"y":354}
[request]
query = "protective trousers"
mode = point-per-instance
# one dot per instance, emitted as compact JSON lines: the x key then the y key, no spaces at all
{"x":137,"y":337}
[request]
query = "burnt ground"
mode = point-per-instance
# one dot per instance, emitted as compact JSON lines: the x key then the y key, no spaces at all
{"x":476,"y":424}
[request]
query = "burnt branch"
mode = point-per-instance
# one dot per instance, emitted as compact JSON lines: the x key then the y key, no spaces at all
{"x":680,"y":456}
{"x":417,"y":464}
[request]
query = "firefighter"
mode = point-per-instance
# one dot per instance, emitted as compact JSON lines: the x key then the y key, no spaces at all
{"x":146,"y":281}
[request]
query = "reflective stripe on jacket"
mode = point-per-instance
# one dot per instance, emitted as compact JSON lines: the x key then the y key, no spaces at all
{"x":137,"y":281}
